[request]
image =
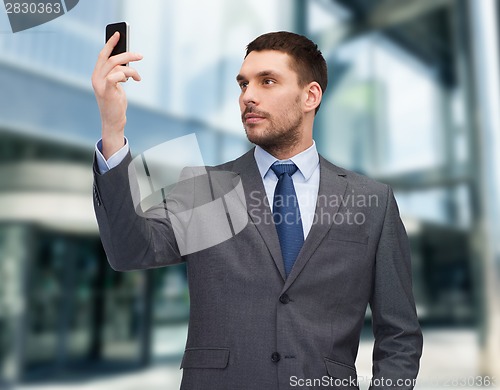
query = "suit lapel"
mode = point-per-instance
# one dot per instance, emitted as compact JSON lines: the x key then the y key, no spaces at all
{"x":332,"y":187}
{"x":258,"y":206}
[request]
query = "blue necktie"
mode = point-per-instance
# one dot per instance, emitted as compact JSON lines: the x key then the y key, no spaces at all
{"x":286,"y":214}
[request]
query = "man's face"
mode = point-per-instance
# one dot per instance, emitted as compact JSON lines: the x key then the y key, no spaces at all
{"x":270,"y":100}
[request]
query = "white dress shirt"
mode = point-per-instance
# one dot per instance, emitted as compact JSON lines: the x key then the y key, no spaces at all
{"x":305,"y":180}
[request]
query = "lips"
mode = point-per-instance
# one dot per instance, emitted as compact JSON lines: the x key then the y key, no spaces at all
{"x":252,"y":117}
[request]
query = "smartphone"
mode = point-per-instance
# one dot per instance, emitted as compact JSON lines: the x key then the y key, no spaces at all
{"x":124,"y":30}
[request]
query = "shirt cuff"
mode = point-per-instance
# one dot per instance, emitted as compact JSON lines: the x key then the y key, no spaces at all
{"x":105,"y":165}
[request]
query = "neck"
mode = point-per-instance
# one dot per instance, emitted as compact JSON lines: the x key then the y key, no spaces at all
{"x":285,"y":152}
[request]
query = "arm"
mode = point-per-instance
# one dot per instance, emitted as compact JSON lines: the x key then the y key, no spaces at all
{"x":398,"y":338}
{"x":130,"y":241}
{"x":107,"y":78}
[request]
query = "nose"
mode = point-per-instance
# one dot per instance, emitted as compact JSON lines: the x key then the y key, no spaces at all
{"x":249,"y":95}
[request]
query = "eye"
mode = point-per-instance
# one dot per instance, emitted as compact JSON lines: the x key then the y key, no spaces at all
{"x":243,"y":84}
{"x":269,"y":82}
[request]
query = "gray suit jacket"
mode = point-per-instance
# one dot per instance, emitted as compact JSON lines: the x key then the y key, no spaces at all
{"x":252,"y":328}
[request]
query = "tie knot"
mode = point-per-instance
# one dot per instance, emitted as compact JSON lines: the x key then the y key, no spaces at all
{"x":280,"y":169}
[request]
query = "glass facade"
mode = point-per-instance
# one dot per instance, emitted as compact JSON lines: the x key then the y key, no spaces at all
{"x":396,"y":114}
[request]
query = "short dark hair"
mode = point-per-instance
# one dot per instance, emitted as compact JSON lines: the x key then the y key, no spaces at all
{"x":307,"y":60}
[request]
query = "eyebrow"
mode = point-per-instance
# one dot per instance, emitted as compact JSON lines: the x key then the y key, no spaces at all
{"x":264,"y":73}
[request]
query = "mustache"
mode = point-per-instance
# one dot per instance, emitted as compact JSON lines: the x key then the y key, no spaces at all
{"x":253,"y":110}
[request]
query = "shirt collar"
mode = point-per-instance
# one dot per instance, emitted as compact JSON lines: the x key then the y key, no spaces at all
{"x":306,"y":161}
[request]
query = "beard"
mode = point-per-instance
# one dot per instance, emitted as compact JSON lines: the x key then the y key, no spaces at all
{"x":280,"y":134}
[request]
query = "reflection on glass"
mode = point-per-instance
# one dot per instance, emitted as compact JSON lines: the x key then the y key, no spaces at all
{"x":79,"y":310}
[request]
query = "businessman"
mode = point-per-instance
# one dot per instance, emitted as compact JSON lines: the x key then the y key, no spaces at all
{"x":281,"y":304}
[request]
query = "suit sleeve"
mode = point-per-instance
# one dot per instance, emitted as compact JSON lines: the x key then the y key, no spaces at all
{"x":398,"y":338}
{"x":131,"y":241}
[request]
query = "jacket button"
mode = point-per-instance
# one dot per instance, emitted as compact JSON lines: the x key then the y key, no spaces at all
{"x":284,"y":299}
{"x":275,"y":357}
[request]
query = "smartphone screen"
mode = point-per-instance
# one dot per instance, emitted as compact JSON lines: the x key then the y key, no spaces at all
{"x":123,"y":29}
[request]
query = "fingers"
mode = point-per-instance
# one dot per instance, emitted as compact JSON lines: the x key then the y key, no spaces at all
{"x":119,"y":59}
{"x":131,"y":72}
{"x":115,"y":78}
{"x":119,"y":75}
{"x":103,"y":71}
{"x":105,"y":63}
{"x":122,"y":74}
{"x":109,"y":71}
{"x":108,"y":48}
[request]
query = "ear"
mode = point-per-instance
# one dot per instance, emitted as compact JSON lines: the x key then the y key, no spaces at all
{"x":313,"y":96}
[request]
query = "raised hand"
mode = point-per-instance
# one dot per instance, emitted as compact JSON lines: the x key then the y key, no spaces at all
{"x":107,"y":77}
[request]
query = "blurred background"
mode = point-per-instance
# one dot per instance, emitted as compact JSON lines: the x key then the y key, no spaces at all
{"x":413,"y":101}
